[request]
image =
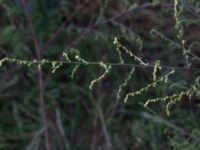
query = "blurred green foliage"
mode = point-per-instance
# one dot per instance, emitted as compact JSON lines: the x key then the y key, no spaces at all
{"x":79,"y":118}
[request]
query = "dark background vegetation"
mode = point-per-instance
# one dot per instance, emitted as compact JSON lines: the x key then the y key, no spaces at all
{"x":83,"y":119}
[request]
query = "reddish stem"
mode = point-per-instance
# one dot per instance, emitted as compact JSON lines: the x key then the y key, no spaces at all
{"x":40,"y":74}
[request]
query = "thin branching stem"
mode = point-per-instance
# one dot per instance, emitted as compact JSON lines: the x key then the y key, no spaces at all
{"x":44,"y":61}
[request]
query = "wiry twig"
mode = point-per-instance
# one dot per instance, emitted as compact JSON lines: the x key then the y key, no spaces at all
{"x":103,"y":123}
{"x":34,"y":142}
{"x":44,"y":61}
{"x":40,"y":73}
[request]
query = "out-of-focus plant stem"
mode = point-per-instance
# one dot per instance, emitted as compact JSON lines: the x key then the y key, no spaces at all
{"x":40,"y":74}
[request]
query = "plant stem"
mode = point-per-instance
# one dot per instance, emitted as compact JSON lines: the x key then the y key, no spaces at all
{"x":40,"y":74}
